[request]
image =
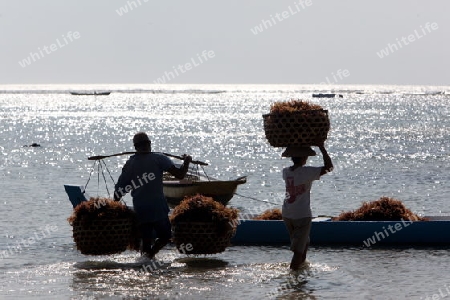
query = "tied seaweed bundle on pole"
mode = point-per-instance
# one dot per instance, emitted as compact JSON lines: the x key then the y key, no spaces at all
{"x":102,"y":226}
{"x":295,"y":123}
{"x":207,"y":226}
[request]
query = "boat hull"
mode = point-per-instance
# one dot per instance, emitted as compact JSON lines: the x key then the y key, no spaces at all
{"x":90,"y":93}
{"x":436,"y":231}
{"x":220,"y":191}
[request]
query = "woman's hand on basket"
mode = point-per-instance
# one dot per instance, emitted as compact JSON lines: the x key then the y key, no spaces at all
{"x":319,"y":143}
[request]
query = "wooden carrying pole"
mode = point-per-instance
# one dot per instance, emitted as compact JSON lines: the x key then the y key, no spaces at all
{"x":98,"y":157}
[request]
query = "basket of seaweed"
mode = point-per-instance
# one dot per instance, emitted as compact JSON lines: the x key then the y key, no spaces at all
{"x":383,"y":209}
{"x":205,"y":224}
{"x":270,"y":214}
{"x":296,"y":123}
{"x":102,"y":226}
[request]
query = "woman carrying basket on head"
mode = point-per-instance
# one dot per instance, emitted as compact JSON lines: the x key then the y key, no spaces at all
{"x":296,"y":209}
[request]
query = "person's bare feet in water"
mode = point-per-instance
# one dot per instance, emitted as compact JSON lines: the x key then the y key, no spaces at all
{"x":158,"y":245}
{"x":297,"y":260}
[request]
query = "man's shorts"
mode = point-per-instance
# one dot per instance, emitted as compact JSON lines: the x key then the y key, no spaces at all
{"x":299,"y":233}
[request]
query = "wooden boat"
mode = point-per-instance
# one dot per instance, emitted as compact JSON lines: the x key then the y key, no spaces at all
{"x":324,"y":231}
{"x":221,"y":191}
{"x":95,"y":93}
{"x":176,"y":190}
{"x":323,"y":95}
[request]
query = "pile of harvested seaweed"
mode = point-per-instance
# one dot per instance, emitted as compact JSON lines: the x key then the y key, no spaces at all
{"x":205,"y":225}
{"x":383,"y":209}
{"x":295,"y":123}
{"x":270,"y":214}
{"x":199,"y":208}
{"x":104,"y":226}
{"x":100,"y":208}
{"x":293,"y":105}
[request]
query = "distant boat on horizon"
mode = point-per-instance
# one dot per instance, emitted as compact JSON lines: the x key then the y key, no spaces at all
{"x":94,"y":93}
{"x":326,"y":95}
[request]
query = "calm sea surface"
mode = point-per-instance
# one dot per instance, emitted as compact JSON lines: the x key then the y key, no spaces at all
{"x":384,"y":141}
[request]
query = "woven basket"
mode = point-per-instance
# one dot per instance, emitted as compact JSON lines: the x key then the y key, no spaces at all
{"x":102,"y":236}
{"x":300,"y":128}
{"x":204,"y":237}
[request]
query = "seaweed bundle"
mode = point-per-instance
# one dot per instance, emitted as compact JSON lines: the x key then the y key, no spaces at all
{"x":383,"y":209}
{"x":199,"y":208}
{"x":270,"y":214}
{"x":295,"y":123}
{"x":205,"y":225}
{"x":293,"y":105}
{"x":103,"y":226}
{"x":100,"y":208}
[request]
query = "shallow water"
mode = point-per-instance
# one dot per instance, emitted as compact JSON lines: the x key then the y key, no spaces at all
{"x":382,"y":144}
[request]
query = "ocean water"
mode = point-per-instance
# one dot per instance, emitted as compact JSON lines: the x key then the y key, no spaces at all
{"x":384,"y":141}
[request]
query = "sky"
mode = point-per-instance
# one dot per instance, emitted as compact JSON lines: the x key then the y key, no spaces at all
{"x":404,"y":42}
